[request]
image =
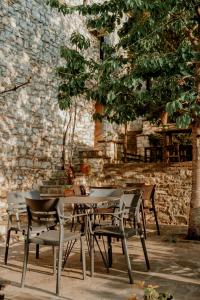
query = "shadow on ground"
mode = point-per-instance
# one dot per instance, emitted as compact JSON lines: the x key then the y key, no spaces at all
{"x":175,"y":267}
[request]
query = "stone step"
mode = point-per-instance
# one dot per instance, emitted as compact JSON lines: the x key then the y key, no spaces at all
{"x":63,"y":180}
{"x":56,"y":181}
{"x":51,"y":195}
{"x":114,"y":166}
{"x":59,"y":173}
{"x":54,"y":189}
{"x":55,"y":185}
{"x":79,"y":174}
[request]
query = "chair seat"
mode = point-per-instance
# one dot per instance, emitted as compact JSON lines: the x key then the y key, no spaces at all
{"x":115,"y":231}
{"x":51,"y":237}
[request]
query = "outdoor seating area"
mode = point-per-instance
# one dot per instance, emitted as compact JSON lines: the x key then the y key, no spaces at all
{"x":171,"y":269}
{"x":173,"y":145}
{"x":109,"y":223}
{"x":45,"y":221}
{"x":100,"y":150}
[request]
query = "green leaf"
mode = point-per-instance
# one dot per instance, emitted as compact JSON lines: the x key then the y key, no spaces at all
{"x":151,"y":68}
{"x":111,"y":97}
{"x":80,"y":41}
{"x":183,"y":121}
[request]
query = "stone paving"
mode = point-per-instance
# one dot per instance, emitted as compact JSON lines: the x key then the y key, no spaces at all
{"x":175,"y":267}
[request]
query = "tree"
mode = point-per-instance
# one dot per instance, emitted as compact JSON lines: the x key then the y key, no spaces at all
{"x":159,"y":43}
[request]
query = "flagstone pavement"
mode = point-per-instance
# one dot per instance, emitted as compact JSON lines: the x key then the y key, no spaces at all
{"x":175,"y":268}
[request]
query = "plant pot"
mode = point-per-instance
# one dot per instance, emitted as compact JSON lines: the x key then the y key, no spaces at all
{"x":164,"y":118}
{"x":85,"y":169}
{"x":68,"y":192}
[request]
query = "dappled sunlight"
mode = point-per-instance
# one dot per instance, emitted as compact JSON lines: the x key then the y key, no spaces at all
{"x":31,"y":122}
{"x":175,"y":267}
{"x":52,"y":103}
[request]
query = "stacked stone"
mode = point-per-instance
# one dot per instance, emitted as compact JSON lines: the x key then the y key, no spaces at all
{"x":31,"y":125}
{"x":173,"y":185}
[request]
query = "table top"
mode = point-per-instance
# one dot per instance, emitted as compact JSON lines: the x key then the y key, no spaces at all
{"x":88,"y":199}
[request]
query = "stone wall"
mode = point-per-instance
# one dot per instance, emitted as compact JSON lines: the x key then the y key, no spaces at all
{"x":173,"y":184}
{"x":31,"y":125}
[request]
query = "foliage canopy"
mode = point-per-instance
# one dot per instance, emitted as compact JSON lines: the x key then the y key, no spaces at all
{"x":154,"y":67}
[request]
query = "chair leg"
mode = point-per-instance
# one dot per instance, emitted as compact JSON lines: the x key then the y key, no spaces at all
{"x":144,"y":221}
{"x":67,"y":252}
{"x":145,"y":252}
{"x":26,"y":254}
{"x":54,"y":259}
{"x":92,"y":255}
{"x":122,"y":247}
{"x":83,"y":257}
{"x":7,"y":247}
{"x":37,"y":251}
{"x":156,"y":220}
{"x":60,"y":254}
{"x":109,"y":251}
{"x":127,"y":260}
{"x":104,"y":257}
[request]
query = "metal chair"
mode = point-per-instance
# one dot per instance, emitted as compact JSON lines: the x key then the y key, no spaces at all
{"x":49,"y":212}
{"x":148,"y":195}
{"x":17,"y":221}
{"x":129,"y":208}
{"x":105,"y":192}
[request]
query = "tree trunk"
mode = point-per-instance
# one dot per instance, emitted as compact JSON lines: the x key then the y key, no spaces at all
{"x":125,"y":142}
{"x":64,"y":143}
{"x":194,"y":215}
{"x":164,"y":118}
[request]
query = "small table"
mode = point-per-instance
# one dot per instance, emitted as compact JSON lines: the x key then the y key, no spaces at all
{"x":90,"y":202}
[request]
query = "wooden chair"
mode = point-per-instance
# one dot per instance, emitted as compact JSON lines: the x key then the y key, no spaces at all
{"x":173,"y":153}
{"x":49,"y":212}
{"x":130,"y":205}
{"x":149,"y":204}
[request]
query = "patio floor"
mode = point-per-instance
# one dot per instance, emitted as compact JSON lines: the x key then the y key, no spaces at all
{"x":175,"y":267}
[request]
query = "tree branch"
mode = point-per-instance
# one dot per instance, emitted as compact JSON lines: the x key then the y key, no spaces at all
{"x":16,"y":87}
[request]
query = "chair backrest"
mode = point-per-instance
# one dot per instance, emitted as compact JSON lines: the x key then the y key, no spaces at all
{"x":18,"y":197}
{"x":16,"y":200}
{"x":135,"y":184}
{"x":17,"y":207}
{"x":43,"y":211}
{"x":106,"y":192}
{"x":130,"y":204}
{"x":148,"y":194}
{"x":34,"y":194}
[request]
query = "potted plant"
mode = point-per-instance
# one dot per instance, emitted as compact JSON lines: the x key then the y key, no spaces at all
{"x":85,"y":168}
{"x":150,"y":293}
{"x":68,"y":190}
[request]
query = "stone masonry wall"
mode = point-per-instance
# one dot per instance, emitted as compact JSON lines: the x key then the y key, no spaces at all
{"x":31,"y":125}
{"x":173,"y":185}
